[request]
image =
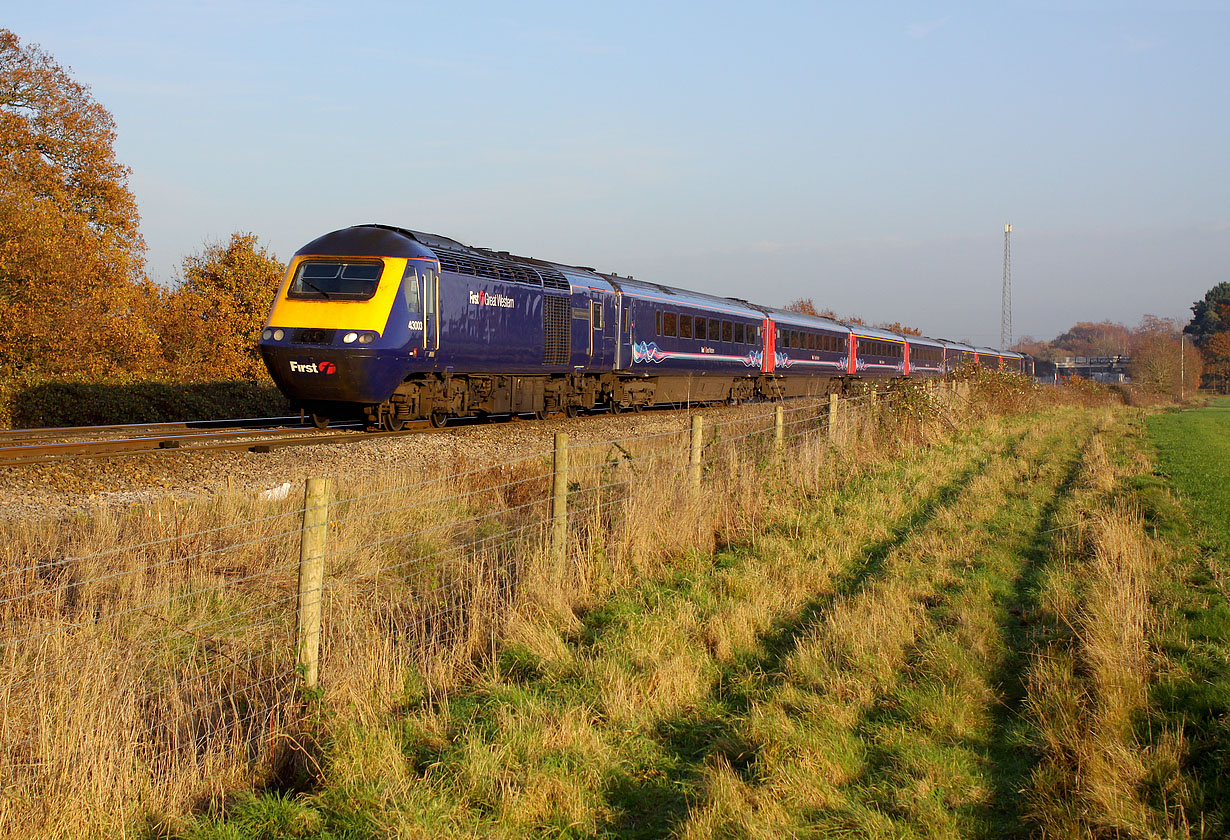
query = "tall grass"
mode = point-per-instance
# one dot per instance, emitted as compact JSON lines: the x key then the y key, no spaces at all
{"x":147,"y":662}
{"x":1088,"y":688}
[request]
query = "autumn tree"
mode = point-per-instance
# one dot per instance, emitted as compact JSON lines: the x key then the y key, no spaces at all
{"x":1210,"y":326}
{"x":805,"y":306}
{"x":73,"y":296}
{"x":898,"y":328}
{"x":1086,"y":338}
{"x":1217,"y":361}
{"x":211,"y":321}
{"x":1161,"y":360}
{"x":1031,"y":346}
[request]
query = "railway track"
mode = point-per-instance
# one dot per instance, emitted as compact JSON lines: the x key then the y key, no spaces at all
{"x":20,"y":447}
{"x":23,"y":447}
{"x":10,"y":436}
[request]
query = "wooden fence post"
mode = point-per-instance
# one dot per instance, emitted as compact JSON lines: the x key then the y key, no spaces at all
{"x":312,"y":541}
{"x":697,"y":444}
{"x":779,"y":431}
{"x":833,"y":408}
{"x":559,"y":501}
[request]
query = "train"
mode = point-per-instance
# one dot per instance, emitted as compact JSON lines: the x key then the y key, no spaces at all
{"x":390,"y":325}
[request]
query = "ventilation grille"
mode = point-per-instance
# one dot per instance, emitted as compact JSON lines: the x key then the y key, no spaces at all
{"x":556,"y":330}
{"x":312,"y":336}
{"x":552,"y":279}
{"x":504,"y":270}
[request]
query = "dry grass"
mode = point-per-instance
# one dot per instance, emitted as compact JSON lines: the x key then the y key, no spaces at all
{"x":147,"y":658}
{"x":1089,"y":689}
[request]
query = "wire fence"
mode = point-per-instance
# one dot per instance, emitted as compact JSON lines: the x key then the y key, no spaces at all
{"x":132,"y":671}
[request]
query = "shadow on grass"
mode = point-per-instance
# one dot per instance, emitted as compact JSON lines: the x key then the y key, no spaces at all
{"x":1008,"y":752}
{"x":652,"y":802}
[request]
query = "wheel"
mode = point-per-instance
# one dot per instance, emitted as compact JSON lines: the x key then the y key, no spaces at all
{"x":637,"y":408}
{"x":541,"y":415}
{"x":438,"y":420}
{"x":616,"y":408}
{"x":394,"y":423}
{"x":320,"y":421}
{"x":572,"y":410}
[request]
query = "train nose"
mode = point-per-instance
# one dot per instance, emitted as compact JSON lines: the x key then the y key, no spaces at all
{"x":319,"y":374}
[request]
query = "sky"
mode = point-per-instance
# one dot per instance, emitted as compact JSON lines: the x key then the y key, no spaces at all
{"x":864,"y":155}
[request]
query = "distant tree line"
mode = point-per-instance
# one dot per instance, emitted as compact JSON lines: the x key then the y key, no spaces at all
{"x":1167,"y":355}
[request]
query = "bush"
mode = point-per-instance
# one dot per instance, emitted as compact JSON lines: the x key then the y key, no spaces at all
{"x":28,"y":403}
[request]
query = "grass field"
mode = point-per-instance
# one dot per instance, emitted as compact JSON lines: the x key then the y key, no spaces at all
{"x":1192,"y":692}
{"x":1012,"y":634}
{"x":1193,"y":451}
{"x":934,"y":621}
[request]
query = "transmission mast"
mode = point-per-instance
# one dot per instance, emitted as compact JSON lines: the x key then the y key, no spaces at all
{"x":1005,"y":318}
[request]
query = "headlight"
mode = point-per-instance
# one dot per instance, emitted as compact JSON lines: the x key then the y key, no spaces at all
{"x":367,"y":338}
{"x":350,"y":337}
{"x":278,"y":335}
{"x":267,"y":334}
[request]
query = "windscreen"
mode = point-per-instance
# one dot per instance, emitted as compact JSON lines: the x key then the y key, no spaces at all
{"x":336,"y":280}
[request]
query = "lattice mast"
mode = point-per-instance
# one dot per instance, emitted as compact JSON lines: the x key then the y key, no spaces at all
{"x":1005,"y":317}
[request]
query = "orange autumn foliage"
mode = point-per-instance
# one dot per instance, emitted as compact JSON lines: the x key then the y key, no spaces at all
{"x":73,"y":297}
{"x":211,"y":322}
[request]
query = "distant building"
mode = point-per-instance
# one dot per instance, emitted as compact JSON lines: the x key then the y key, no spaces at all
{"x":1109,"y":369}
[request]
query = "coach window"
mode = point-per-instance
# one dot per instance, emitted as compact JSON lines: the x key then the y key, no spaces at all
{"x":753,"y":335}
{"x":657,"y":323}
{"x":700,"y":329}
{"x":685,"y":326}
{"x":715,"y":329}
{"x":668,"y":323}
{"x":726,"y":331}
{"x":595,"y":308}
{"x":738,"y":333}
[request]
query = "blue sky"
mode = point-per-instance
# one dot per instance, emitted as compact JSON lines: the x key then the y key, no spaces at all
{"x":864,"y":155}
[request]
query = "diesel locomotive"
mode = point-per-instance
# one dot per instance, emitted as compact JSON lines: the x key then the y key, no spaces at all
{"x":392,"y":325}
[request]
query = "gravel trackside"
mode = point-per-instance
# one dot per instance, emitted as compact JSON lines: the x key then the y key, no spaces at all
{"x":71,"y":488}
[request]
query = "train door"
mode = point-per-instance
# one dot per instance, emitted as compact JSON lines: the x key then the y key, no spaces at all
{"x":582,"y":329}
{"x":431,"y":312}
{"x":604,"y":323}
{"x":768,"y":332}
{"x":623,"y":334}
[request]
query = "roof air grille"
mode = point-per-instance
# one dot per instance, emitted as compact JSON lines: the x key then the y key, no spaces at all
{"x":506,"y":271}
{"x":552,"y":279}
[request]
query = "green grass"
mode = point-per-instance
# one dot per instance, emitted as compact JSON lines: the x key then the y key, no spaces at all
{"x":1193,"y":454}
{"x":870,"y":665}
{"x":1192,"y":693}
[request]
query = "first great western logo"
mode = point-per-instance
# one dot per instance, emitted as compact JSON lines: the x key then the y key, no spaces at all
{"x":326,"y":368}
{"x":485,"y":298}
